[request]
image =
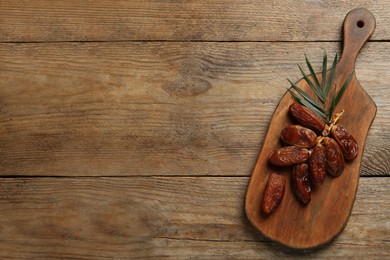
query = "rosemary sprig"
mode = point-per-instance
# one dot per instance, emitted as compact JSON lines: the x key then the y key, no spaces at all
{"x":321,"y":90}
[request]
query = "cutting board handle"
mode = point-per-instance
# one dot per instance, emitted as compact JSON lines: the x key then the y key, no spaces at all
{"x":359,"y":24}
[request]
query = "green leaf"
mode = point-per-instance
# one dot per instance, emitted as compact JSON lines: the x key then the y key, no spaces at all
{"x":307,"y":104}
{"x":336,"y":98}
{"x":332,"y":107}
{"x":318,"y":102}
{"x":306,"y":96}
{"x":313,"y":74}
{"x":315,"y":90}
{"x":324,"y":69}
{"x":330,"y":78}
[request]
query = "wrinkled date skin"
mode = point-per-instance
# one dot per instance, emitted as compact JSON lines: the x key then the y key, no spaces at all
{"x":317,"y":165}
{"x":288,"y":156}
{"x":334,"y":157}
{"x":273,"y":193}
{"x":306,"y":117}
{"x":347,"y":143}
{"x":300,"y":183}
{"x":299,"y":136}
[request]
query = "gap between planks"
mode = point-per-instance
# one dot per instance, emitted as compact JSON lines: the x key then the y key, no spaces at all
{"x":141,"y":176}
{"x":178,"y":41}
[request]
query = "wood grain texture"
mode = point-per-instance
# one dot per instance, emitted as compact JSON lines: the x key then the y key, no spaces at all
{"x":98,"y":109}
{"x":224,"y":20}
{"x":327,"y":213}
{"x":170,"y":217}
{"x":165,"y":108}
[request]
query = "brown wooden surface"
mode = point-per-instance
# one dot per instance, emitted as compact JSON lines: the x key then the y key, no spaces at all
{"x":180,"y":108}
{"x":170,"y":217}
{"x":85,"y":94}
{"x":328,"y":212}
{"x":223,"y":20}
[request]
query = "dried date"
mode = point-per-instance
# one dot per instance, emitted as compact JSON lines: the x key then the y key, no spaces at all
{"x":300,"y":183}
{"x":289,"y":155}
{"x":334,"y":157}
{"x":306,"y":117}
{"x":299,"y":136}
{"x":317,"y":165}
{"x":347,"y":143}
{"x":312,"y":156}
{"x":273,"y":193}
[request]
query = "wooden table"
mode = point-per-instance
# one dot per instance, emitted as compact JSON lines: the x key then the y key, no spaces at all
{"x":129,"y":129}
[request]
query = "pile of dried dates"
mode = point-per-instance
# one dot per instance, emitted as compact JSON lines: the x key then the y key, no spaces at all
{"x":314,"y":149}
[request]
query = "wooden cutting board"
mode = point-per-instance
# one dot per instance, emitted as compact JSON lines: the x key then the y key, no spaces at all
{"x":327,"y":214}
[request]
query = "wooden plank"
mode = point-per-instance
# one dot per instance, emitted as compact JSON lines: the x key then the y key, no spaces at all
{"x":159,"y":108}
{"x":224,"y":20}
{"x":170,"y":217}
{"x":325,"y":219}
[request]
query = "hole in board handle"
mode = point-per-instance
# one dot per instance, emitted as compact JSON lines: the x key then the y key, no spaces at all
{"x":360,"y":24}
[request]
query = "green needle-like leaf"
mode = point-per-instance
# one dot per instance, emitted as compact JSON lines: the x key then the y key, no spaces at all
{"x":313,"y":74}
{"x":324,"y":69}
{"x":306,"y":96}
{"x":336,"y":98}
{"x":343,"y":88}
{"x":332,"y":106}
{"x":330,"y":78}
{"x":307,"y":104}
{"x":315,"y":90}
{"x":318,"y":103}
